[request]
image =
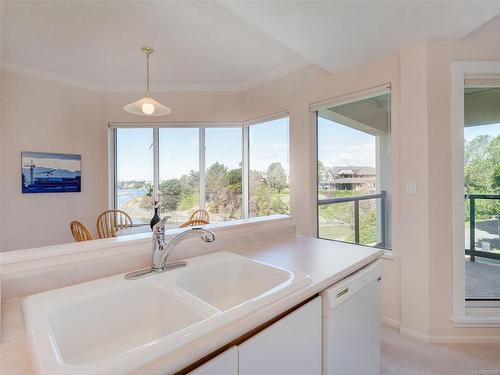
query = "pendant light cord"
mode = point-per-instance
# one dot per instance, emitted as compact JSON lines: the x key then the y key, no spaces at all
{"x":147,"y":73}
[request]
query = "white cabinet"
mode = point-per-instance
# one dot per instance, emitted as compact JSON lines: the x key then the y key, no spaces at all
{"x":291,"y":346}
{"x":224,"y":364}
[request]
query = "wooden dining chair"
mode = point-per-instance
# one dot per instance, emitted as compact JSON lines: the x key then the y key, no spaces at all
{"x":80,"y":232}
{"x":200,"y":215}
{"x":194,"y":223}
{"x":111,"y":221}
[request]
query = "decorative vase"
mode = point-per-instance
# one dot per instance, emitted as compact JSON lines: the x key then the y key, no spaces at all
{"x":155,"y":219}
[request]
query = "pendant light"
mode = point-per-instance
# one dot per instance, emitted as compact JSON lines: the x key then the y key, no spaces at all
{"x":147,"y":106}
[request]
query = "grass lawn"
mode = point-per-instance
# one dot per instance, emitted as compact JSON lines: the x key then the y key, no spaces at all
{"x":334,"y":232}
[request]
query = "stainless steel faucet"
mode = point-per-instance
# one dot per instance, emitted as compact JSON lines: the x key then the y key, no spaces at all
{"x":162,"y":248}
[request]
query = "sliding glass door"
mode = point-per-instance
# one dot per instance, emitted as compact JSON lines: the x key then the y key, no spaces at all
{"x":482,"y":192}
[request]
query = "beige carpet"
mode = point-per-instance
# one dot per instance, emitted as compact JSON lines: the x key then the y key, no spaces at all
{"x":405,"y":356}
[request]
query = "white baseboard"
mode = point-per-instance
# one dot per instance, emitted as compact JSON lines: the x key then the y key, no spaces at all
{"x":414,"y":334}
{"x":390,"y":322}
{"x":464,"y":339}
{"x":449,"y":339}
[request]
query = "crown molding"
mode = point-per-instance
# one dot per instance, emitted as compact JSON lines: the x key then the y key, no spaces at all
{"x":89,"y":85}
{"x":22,"y":69}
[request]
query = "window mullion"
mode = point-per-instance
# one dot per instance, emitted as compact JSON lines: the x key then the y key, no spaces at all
{"x":113,"y":202}
{"x":156,"y":162}
{"x":201,"y":152}
{"x":245,"y":181}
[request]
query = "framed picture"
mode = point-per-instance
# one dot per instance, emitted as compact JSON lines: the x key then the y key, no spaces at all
{"x":43,"y":172}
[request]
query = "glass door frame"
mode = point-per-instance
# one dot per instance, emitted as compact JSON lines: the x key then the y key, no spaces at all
{"x":465,"y":313}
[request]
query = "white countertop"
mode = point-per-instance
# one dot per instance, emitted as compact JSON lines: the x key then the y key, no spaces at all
{"x":326,"y":262}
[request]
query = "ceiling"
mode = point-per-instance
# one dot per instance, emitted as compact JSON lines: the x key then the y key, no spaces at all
{"x":217,"y":45}
{"x":196,"y":45}
{"x":337,"y":35}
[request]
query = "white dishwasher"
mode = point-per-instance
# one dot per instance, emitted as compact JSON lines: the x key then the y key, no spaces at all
{"x":351,"y":324}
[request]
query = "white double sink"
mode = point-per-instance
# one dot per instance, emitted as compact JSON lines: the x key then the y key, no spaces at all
{"x":113,"y":325}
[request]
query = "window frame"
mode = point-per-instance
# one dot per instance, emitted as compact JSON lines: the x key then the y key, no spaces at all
{"x":246,"y":165}
{"x":202,"y":126}
{"x":315,"y":108}
{"x":465,"y":313}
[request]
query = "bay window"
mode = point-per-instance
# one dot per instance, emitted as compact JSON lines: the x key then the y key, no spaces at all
{"x":233,"y":171}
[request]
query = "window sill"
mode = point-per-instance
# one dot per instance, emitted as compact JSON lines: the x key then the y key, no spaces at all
{"x":388,"y":254}
{"x":487,"y":319}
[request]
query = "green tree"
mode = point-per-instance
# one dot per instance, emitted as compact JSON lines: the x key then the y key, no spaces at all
{"x":276,"y":177}
{"x":495,"y":179}
{"x":482,"y":173}
{"x":265,"y":198}
{"x":190,"y":182}
{"x":170,"y":194}
{"x":367,"y":227}
{"x":223,"y":190}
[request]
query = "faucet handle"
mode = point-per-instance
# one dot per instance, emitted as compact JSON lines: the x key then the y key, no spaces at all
{"x":207,"y":235}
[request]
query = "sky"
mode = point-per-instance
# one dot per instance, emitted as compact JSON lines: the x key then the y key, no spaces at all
{"x":340,"y":145}
{"x":179,"y":149}
{"x":53,"y":161}
{"x":473,"y":131}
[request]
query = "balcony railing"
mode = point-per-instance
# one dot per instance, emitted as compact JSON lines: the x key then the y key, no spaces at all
{"x":472,"y":252}
{"x":356,"y":199}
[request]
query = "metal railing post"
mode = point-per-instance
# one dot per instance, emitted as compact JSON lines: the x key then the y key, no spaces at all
{"x":382,"y":216}
{"x":356,"y":221}
{"x":472,"y":228}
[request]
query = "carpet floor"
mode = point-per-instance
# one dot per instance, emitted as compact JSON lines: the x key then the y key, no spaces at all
{"x":402,"y":355}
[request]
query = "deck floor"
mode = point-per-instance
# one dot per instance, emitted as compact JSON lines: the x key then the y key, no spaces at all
{"x":482,"y":280}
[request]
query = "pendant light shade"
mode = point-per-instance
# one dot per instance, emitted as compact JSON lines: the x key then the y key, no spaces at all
{"x":147,"y":106}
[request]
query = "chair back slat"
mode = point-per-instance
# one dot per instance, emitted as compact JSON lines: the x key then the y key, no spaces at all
{"x":200,"y":215}
{"x":80,"y":232}
{"x":111,"y":221}
{"x":193,"y":223}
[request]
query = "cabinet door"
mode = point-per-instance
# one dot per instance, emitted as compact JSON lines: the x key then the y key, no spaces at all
{"x":291,"y":346}
{"x":224,"y":364}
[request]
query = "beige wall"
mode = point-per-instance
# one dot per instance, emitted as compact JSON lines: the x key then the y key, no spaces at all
{"x":413,"y":167}
{"x":39,"y":115}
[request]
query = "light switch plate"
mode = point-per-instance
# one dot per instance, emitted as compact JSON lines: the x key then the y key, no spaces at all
{"x":411,"y":187}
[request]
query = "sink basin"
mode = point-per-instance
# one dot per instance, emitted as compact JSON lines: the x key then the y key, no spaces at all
{"x":227,"y":283}
{"x":117,"y":319}
{"x":114,"y":325}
